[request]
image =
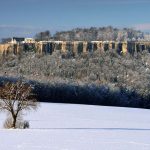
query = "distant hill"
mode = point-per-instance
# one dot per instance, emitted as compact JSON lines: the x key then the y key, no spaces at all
{"x":99,"y":33}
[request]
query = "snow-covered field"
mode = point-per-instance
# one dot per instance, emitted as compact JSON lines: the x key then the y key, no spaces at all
{"x":80,"y":127}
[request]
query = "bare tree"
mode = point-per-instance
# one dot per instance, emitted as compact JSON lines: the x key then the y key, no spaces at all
{"x":15,"y":98}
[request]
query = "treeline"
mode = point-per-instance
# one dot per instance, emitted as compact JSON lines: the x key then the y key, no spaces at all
{"x":100,"y":33}
{"x":89,"y":94}
{"x":89,"y":34}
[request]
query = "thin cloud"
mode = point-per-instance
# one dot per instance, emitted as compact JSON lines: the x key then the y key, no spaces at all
{"x":143,"y":27}
{"x":19,"y":27}
{"x":110,"y":2}
{"x":102,"y":3}
{"x":131,"y":1}
{"x":13,"y":30}
{"x":26,"y":31}
{"x":124,"y":2}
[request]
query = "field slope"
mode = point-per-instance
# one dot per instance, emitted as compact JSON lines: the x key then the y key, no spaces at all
{"x":80,"y":127}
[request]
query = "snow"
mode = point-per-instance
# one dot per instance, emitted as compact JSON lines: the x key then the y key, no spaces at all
{"x":80,"y":127}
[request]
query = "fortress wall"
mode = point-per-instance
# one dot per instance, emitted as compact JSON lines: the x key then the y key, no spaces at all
{"x":124,"y":48}
{"x":6,"y":49}
{"x":75,"y":47}
{"x":84,"y":47}
{"x":63,"y":50}
{"x":47,"y":47}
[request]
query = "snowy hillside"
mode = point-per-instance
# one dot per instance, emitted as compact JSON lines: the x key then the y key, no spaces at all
{"x":80,"y":127}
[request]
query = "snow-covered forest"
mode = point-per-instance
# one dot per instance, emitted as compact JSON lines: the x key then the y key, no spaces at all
{"x":103,"y":78}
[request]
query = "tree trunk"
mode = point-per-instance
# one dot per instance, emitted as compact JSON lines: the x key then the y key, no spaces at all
{"x":14,"y":122}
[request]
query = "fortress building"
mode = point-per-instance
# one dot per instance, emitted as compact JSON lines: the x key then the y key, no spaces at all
{"x":17,"y":45}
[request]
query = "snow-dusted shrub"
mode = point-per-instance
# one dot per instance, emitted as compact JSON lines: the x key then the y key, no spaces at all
{"x":8,"y":123}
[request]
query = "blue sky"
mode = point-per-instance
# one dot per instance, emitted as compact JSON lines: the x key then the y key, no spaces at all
{"x":26,"y":17}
